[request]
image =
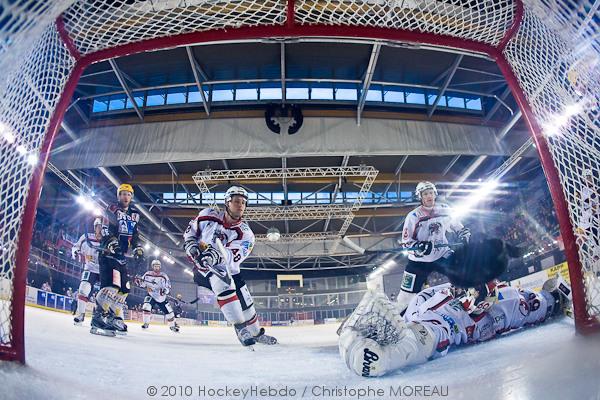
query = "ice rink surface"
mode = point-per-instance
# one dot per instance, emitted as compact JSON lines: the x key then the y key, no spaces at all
{"x":67,"y":362}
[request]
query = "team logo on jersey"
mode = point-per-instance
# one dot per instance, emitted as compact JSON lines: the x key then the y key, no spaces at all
{"x":434,"y":228}
{"x":246,"y":247}
{"x":219,"y":235}
{"x":450,"y":322}
{"x":408,"y":281}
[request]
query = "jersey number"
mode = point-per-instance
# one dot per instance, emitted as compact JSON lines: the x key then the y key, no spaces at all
{"x":237,"y":257}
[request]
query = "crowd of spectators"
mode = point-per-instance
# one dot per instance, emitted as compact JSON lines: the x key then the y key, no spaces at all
{"x":530,"y":226}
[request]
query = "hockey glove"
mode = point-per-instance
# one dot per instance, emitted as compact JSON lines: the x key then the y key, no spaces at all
{"x":423,"y":248}
{"x":138,"y":253}
{"x":210,"y":257}
{"x":192,"y":250}
{"x":113,"y":246}
{"x":464,"y":234}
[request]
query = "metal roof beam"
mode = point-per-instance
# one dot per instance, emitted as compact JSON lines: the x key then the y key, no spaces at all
{"x":506,"y":128}
{"x":282,"y":67}
{"x":121,"y":79}
{"x":496,"y":105}
{"x":449,"y":77}
{"x":196,"y":70}
{"x":367,"y":80}
{"x":336,"y":190}
{"x":450,"y":164}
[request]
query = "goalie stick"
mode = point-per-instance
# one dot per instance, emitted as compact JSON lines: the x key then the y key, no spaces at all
{"x":361,"y":250}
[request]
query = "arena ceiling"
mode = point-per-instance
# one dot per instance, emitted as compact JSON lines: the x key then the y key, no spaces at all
{"x":374,"y":104}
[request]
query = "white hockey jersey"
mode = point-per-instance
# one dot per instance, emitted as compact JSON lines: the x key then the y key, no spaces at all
{"x":157,"y":284}
{"x":423,"y":224}
{"x":87,"y":246}
{"x":445,"y":316}
{"x":237,"y":239}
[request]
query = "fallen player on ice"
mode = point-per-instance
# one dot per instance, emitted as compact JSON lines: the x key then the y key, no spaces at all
{"x":376,"y":340}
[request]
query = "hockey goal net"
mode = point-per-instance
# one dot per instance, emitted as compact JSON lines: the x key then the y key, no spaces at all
{"x":547,"y":49}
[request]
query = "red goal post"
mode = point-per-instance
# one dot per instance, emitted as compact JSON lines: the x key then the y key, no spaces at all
{"x":544,"y":48}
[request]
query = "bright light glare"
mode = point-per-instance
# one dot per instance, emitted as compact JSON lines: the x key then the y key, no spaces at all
{"x":21,"y":149}
{"x":6,"y":133}
{"x":475,"y":197}
{"x":156,"y":252}
{"x":147,"y":246}
{"x":573,"y":109}
{"x":32,"y":159}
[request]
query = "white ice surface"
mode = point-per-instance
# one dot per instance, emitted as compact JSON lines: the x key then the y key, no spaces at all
{"x":67,"y":362}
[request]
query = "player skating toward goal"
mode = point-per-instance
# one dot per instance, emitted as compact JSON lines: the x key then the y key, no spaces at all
{"x":158,"y":285}
{"x":377,"y":340}
{"x":425,"y":228}
{"x":86,"y":249}
{"x":217,"y":242}
{"x":120,"y":240}
{"x":466,"y":263}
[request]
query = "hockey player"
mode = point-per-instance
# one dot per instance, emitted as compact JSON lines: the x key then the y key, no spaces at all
{"x":376,"y":340}
{"x":425,"y":229}
{"x":87,"y":248}
{"x":119,"y":239}
{"x":158,"y":285}
{"x":217,"y":242}
{"x":177,"y":300}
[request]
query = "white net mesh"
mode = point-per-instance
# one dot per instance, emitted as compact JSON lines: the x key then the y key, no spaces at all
{"x":97,"y":25}
{"x":554,"y":56}
{"x":482,"y":21}
{"x":27,"y":104}
{"x":559,"y":71}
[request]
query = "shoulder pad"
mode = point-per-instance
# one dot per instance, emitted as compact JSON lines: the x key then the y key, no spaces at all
{"x":207,"y":212}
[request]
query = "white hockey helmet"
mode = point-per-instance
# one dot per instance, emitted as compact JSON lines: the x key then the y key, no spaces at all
{"x":155,"y":263}
{"x":97,"y":221}
{"x":235,"y":191}
{"x":423,"y":186}
{"x":587,"y":172}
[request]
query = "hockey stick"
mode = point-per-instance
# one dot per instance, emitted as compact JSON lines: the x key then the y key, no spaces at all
{"x":362,"y":250}
{"x":183,"y":301}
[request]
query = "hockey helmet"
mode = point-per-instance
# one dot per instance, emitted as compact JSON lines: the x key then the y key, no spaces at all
{"x":423,"y":186}
{"x":125,"y":187}
{"x":155,"y":263}
{"x":235,"y":191}
{"x":97,"y":221}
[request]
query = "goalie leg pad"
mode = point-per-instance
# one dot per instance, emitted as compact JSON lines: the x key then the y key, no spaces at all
{"x":106,"y":298}
{"x":119,"y":304}
{"x":368,"y":358}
